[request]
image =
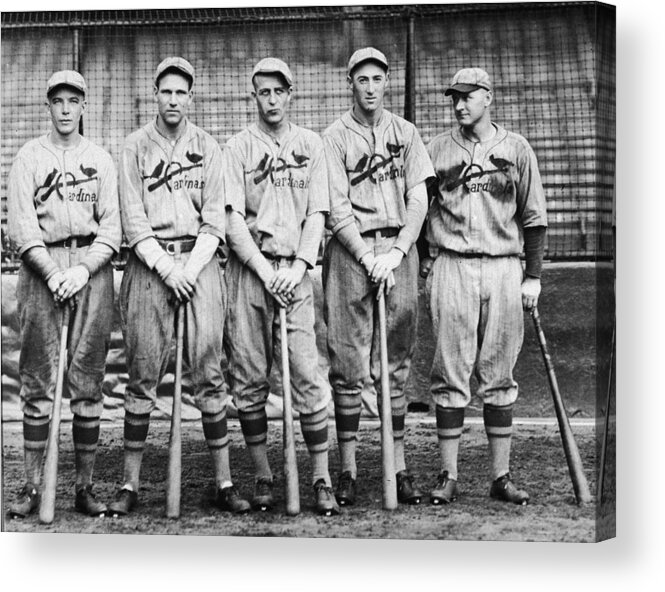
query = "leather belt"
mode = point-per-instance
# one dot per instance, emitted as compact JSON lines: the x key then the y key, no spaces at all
{"x":177,"y":245}
{"x":272,"y":257}
{"x":380,"y":233}
{"x":464,"y":255}
{"x":73,"y":242}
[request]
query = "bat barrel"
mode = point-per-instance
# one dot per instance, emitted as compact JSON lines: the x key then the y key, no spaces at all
{"x":174,"y":476}
{"x":47,"y":505}
{"x":575,"y":467}
{"x":387,"y":442}
{"x":290,"y":461}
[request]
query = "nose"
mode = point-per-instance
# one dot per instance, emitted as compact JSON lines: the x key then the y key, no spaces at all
{"x":371,"y":88}
{"x":272,"y":98}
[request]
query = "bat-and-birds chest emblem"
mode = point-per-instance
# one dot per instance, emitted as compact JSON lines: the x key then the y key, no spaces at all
{"x":169,"y":174}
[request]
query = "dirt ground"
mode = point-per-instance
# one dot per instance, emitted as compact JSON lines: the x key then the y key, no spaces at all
{"x":538,"y":465}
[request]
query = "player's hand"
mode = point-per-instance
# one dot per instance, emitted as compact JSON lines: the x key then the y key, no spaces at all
{"x":267,"y":275}
{"x":426,"y":266}
{"x":286,"y":279}
{"x":385,"y":264}
{"x":54,"y":283}
{"x":179,"y":283}
{"x":530,"y":292}
{"x":73,"y":280}
{"x":388,"y":285}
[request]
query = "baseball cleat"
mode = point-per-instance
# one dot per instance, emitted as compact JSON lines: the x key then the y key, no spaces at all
{"x":229,"y":500}
{"x":326,"y":505}
{"x":27,"y":501}
{"x":445,"y":491}
{"x":125,"y":501}
{"x":87,"y":503}
{"x":346,"y":489}
{"x":504,"y":489}
{"x":263,"y":498}
{"x":407,"y":492}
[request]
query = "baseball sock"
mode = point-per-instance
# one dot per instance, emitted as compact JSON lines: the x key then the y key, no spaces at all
{"x":398,"y":420}
{"x":35,"y":436}
{"x":499,"y":427}
{"x":314,"y":428}
{"x":449,"y":425}
{"x":254,"y":426}
{"x":216,"y":434}
{"x":347,"y":420}
{"x":85,"y":433}
{"x":135,"y":434}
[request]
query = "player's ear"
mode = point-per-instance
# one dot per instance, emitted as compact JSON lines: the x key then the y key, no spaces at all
{"x":488,"y":98}
{"x":84,"y":106}
{"x":349,"y":80}
{"x":155,"y":90}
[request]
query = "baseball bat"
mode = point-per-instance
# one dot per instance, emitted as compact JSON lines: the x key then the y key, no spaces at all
{"x":47,"y":506}
{"x":580,"y":485}
{"x":387,"y":442}
{"x":603,"y":449}
{"x":175,"y":441}
{"x":290,"y":464}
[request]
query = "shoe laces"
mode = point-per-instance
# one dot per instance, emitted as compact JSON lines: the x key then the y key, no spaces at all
{"x":28,"y":489}
{"x":263,"y":486}
{"x":345,"y":479}
{"x":320,"y":485}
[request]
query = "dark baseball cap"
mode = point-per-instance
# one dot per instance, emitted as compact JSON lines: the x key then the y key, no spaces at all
{"x":175,"y":63}
{"x":469,"y":79}
{"x":366,"y":54}
{"x":66,"y":78}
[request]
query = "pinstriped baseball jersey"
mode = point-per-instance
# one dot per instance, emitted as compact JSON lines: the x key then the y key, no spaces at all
{"x":276,"y":186}
{"x":372,"y":169}
{"x":487,"y":193}
{"x":171,"y":191}
{"x":54,"y":194}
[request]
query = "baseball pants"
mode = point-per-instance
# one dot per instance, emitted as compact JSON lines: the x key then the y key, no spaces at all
{"x":476,"y":309}
{"x":353,"y":324}
{"x":147,"y":312}
{"x":89,"y":335}
{"x":253,"y":340}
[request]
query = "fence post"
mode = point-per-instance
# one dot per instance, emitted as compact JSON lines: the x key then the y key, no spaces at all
{"x":76,"y":61}
{"x":409,"y":72}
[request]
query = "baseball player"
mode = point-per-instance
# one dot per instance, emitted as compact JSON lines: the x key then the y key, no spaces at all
{"x":173,"y":215}
{"x":63,"y":219}
{"x":276,"y":185}
{"x":377,"y":169}
{"x":488,"y":205}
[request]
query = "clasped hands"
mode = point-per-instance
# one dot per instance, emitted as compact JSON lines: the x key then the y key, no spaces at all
{"x":380,"y":268}
{"x":66,"y":284}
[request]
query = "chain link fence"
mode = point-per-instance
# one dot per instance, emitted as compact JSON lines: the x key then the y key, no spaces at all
{"x":552,"y":65}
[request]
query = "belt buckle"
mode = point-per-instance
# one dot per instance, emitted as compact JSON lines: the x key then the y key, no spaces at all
{"x":171,"y":248}
{"x":68,"y":242}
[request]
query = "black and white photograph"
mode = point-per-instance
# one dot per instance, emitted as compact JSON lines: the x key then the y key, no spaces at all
{"x":314,"y":272}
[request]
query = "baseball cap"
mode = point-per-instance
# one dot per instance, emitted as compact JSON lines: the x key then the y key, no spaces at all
{"x":364,"y":55}
{"x":469,"y":79}
{"x":66,"y":78}
{"x":177,"y":63}
{"x":273,"y":66}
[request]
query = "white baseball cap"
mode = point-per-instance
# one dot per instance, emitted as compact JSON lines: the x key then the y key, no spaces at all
{"x":469,"y":79}
{"x":273,"y":66}
{"x":366,"y":54}
{"x":176,"y":63}
{"x":66,"y":78}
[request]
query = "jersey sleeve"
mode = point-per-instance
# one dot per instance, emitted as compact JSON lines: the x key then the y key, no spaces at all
{"x":418,"y":165}
{"x":22,"y":222}
{"x":213,"y":210}
{"x":318,"y":183}
{"x":234,"y":177}
{"x":109,"y":231}
{"x":531,"y":205}
{"x":341,"y":210}
{"x":135,"y":223}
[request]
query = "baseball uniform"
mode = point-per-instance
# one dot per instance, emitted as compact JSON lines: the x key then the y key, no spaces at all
{"x":371,"y":171}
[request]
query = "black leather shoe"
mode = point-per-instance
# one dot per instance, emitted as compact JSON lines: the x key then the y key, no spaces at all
{"x":346,"y":489}
{"x":263,"y":498}
{"x":445,"y":490}
{"x":407,"y":492}
{"x":125,"y":501}
{"x":504,"y":489}
{"x":229,"y":500}
{"x":26,"y":502}
{"x":87,"y":503}
{"x":325,"y":500}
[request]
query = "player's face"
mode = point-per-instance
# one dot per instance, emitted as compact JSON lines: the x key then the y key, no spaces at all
{"x":471,"y":107}
{"x":66,"y":106}
{"x":173,"y":98}
{"x":273,"y":96}
{"x":369,"y":85}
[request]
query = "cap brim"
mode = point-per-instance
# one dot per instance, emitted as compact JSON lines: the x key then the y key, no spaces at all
{"x":377,"y":61}
{"x":463,"y":88}
{"x":66,"y":85}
